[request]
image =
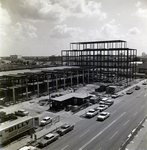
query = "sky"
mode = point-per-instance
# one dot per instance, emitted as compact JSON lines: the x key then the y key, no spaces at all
{"x":45,"y":27}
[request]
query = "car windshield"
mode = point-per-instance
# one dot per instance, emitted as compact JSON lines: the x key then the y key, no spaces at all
{"x":65,"y":126}
{"x":103,"y":114}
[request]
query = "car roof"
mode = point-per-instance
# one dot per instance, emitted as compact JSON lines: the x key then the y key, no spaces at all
{"x":49,"y":135}
{"x":104,"y":113}
{"x":46,"y":117}
{"x":91,"y":110}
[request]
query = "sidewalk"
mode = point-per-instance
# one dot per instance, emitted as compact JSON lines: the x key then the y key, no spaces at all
{"x":139,"y":142}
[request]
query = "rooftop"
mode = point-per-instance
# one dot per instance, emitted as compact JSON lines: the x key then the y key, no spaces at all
{"x":69,"y":96}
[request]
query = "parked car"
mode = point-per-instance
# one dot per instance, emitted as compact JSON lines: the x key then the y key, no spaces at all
{"x":45,"y":121}
{"x":101,"y":102}
{"x":28,"y":148}
{"x":65,"y":129}
{"x":115,"y":95}
{"x":91,"y":113}
{"x":102,"y":107}
{"x":103,"y":115}
{"x":144,"y":83}
{"x":47,"y":139}
{"x":129,"y":91}
{"x":104,"y":99}
{"x":21,"y":112}
{"x":137,"y":87}
{"x":109,"y":102}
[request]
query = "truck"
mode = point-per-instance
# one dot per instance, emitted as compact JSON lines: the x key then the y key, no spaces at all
{"x":17,"y":127}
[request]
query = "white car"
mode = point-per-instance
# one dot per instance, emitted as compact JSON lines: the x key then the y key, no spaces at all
{"x":103,"y":115}
{"x":102,"y":107}
{"x":115,"y":95}
{"x":91,"y":113}
{"x":21,"y":112}
{"x":28,"y":148}
{"x":104,"y":99}
{"x":45,"y":121}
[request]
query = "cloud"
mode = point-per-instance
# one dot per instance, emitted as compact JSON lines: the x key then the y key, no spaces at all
{"x":141,"y":13}
{"x":108,"y":31}
{"x":5,"y":20}
{"x":54,"y":10}
{"x":62,"y":31}
{"x":138,"y":4}
{"x":134,"y":31}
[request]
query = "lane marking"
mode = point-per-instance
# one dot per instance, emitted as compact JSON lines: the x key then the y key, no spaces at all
{"x":142,"y":106}
{"x":101,"y":132}
{"x":100,"y":148}
{"x":64,"y":147}
{"x":84,"y":133}
{"x":113,"y":112}
{"x":126,"y":122}
{"x":113,"y":135}
{"x":135,"y":114}
{"x":145,"y":95}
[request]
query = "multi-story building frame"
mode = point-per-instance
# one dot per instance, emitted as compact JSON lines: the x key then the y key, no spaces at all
{"x":110,"y":59}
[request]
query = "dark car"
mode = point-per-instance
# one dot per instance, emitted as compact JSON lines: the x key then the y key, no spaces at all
{"x":65,"y":129}
{"x":137,"y":87}
{"x":129,"y":92}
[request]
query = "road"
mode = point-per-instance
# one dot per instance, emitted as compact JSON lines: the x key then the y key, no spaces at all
{"x":90,"y":134}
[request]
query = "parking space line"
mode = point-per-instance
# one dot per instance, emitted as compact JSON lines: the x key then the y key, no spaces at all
{"x":84,"y":133}
{"x":126,"y":122}
{"x":113,"y":135}
{"x":64,"y":147}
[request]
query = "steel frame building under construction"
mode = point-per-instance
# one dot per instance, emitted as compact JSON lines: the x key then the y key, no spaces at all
{"x":85,"y":62}
{"x":109,"y":59}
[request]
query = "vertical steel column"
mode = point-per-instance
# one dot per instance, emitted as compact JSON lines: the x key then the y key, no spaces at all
{"x":38,"y":86}
{"x":64,"y":79}
{"x":83,"y":77}
{"x":26,"y":89}
{"x":77,"y":78}
{"x":13,"y":90}
{"x":56,"y":82}
{"x":71,"y":78}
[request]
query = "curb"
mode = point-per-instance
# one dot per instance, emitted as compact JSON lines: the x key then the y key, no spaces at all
{"x":132,"y":134}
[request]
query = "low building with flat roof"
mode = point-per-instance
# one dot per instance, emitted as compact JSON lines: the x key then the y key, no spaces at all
{"x":69,"y":99}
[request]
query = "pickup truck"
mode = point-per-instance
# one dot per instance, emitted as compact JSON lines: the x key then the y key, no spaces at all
{"x":47,"y":139}
{"x":64,"y":129}
{"x":21,"y":112}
